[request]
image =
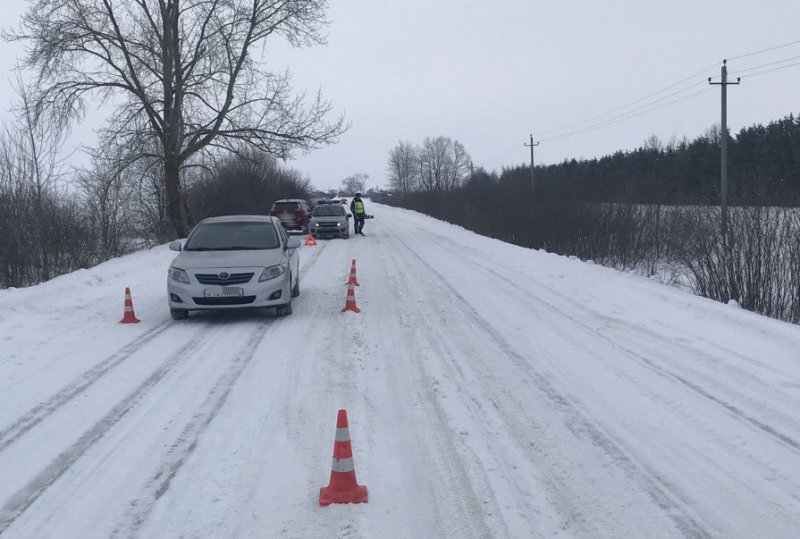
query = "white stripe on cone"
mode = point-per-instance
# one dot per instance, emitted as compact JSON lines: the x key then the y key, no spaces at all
{"x":343,"y":465}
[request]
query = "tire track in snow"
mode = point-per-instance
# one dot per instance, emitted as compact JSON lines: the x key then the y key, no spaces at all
{"x":183,"y":447}
{"x":82,"y":382}
{"x":45,"y":409}
{"x":25,"y":497}
{"x":732,"y":409}
{"x":646,"y":338}
{"x":453,"y":465}
{"x":579,"y":422}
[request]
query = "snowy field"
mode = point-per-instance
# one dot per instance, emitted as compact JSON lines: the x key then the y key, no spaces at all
{"x":492,"y":391}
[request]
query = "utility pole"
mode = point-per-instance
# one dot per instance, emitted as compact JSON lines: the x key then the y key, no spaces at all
{"x":531,"y":146}
{"x":723,"y":84}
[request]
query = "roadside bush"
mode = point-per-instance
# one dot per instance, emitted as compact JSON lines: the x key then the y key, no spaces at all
{"x":760,"y":268}
{"x":246,"y":184}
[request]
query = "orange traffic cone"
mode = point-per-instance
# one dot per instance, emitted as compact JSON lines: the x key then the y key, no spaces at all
{"x":310,"y":240}
{"x":128,"y":317}
{"x":343,"y":487}
{"x":351,"y":300}
{"x":353,"y":279}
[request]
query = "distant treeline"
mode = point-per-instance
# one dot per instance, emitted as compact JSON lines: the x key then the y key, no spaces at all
{"x":763,"y":169}
{"x":54,"y":221}
{"x":653,"y":210}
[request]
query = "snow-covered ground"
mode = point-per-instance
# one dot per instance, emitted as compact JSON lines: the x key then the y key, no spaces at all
{"x":492,"y":391}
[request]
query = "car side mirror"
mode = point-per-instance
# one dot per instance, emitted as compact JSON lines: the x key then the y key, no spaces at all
{"x":175,"y":245}
{"x":293,"y":244}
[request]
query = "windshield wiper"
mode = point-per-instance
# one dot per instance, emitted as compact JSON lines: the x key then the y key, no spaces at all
{"x":232,"y":248}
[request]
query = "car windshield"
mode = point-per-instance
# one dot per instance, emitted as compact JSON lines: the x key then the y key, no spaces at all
{"x":286,"y":206}
{"x":233,"y":236}
{"x":328,"y":211}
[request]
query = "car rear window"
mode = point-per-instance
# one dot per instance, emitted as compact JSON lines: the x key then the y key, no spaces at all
{"x":286,"y":206}
{"x":234,"y":236}
{"x":328,"y":211}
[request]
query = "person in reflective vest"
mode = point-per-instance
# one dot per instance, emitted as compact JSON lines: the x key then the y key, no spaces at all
{"x":359,"y":212}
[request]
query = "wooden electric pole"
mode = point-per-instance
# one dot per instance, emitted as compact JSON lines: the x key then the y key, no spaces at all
{"x":532,"y":163}
{"x":723,"y":142}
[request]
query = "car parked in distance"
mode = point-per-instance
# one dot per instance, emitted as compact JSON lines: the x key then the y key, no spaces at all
{"x":330,"y":220}
{"x":232,"y":262}
{"x":293,"y":213}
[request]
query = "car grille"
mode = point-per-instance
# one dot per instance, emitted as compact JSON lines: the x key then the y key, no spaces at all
{"x":214,"y":278}
{"x":231,"y":300}
{"x":327,"y":228}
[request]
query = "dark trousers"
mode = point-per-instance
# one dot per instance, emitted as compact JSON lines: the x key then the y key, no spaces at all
{"x":358,"y":222}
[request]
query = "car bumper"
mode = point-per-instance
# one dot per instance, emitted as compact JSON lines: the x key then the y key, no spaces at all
{"x":329,"y":231}
{"x":196,"y":296}
{"x":293,"y":226}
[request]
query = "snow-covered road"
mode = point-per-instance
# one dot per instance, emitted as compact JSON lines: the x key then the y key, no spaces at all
{"x":492,"y":391}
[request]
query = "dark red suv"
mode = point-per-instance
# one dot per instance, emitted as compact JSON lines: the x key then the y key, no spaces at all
{"x":293,"y":214}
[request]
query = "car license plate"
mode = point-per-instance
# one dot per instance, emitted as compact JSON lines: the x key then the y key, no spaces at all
{"x":224,"y":292}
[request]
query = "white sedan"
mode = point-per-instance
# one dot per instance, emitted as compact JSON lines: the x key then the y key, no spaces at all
{"x":233,"y":262}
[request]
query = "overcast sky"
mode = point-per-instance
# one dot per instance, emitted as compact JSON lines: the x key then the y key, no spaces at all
{"x":490,"y":73}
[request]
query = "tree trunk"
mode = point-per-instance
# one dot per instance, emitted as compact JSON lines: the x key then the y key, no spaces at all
{"x":175,"y":210}
{"x":173,"y":120}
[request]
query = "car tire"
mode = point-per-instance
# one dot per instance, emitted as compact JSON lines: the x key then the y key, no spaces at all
{"x":179,"y":314}
{"x":296,"y":288}
{"x":283,"y":310}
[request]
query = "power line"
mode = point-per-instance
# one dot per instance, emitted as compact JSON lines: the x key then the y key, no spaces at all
{"x":673,"y":85}
{"x":628,"y":105}
{"x":623,"y":117}
{"x":776,"y":62}
{"x":647,"y":107}
{"x":751,"y":75}
{"x":776,"y":47}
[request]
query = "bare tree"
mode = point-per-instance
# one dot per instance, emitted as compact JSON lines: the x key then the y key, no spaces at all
{"x":457,"y":165}
{"x":433,"y":163}
{"x":404,"y":168}
{"x":653,"y":142}
{"x":38,"y":145}
{"x":182,"y":72}
{"x":443,"y":163}
{"x":43,"y":232}
{"x":355,"y":183}
{"x":109,"y":204}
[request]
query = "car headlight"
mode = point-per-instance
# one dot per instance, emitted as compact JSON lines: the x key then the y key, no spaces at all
{"x":272,"y":272}
{"x":177,"y":274}
{"x":316,"y":224}
{"x":338,"y":223}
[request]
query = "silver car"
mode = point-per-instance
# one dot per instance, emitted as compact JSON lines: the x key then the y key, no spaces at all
{"x":233,"y":262}
{"x":330,"y":220}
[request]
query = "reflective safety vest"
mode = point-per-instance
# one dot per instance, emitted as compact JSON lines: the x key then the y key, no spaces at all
{"x":358,"y":206}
